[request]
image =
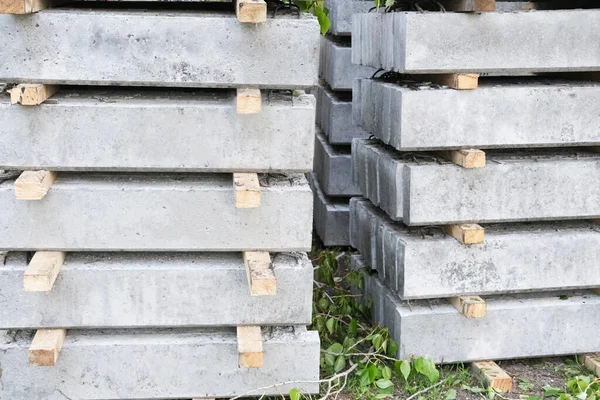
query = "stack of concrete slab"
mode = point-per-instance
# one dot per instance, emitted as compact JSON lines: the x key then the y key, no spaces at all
{"x":154,"y":211}
{"x":443,"y":222}
{"x":332,"y":179}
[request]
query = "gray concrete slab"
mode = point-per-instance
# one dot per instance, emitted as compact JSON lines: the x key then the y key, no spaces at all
{"x":540,"y":41}
{"x":500,"y":113}
{"x":124,"y":130}
{"x":517,"y":186}
{"x":340,"y":14}
{"x":159,"y":364}
{"x":336,"y":66}
{"x":426,"y":263}
{"x":158,"y":48}
{"x":330,"y":217}
{"x":130,"y":290}
{"x":333,"y":168}
{"x":135,"y":212}
{"x":335,"y":117}
{"x":516,"y":326}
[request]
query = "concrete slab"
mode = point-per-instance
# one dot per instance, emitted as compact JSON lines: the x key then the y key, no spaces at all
{"x":335,"y":117}
{"x":340,"y":14}
{"x":517,"y":186}
{"x":336,"y":66}
{"x":163,"y":364}
{"x":124,"y":130}
{"x":331,"y":217}
{"x":541,"y":41}
{"x":333,"y":168}
{"x":138,"y":48}
{"x":135,"y":212}
{"x":129,"y":290}
{"x":516,"y":326}
{"x":426,"y":263}
{"x":501,"y":113}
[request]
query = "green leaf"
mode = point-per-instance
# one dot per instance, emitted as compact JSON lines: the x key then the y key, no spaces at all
{"x":294,"y":394}
{"x":550,"y":391}
{"x":393,"y":349}
{"x":340,"y":363}
{"x":389,"y":3}
{"x":374,"y":373}
{"x":353,"y":328}
{"x":386,"y":373}
{"x":383,"y":395}
{"x":330,"y":324}
{"x":405,"y":369}
{"x":365,"y":380}
{"x":451,"y":394}
{"x":323,"y":19}
{"x":383,"y":383}
{"x":329,"y":360}
{"x":323,"y":304}
{"x":427,"y":367}
{"x":336,"y":349}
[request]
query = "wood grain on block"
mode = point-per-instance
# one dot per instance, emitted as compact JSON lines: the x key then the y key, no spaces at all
{"x":42,"y":271}
{"x":491,"y":375}
{"x":597,"y":291}
{"x":470,"y":306}
{"x":466,"y":158}
{"x":250,"y":346}
{"x":259,"y":270}
{"x":591,"y":362}
{"x":251,"y":11}
{"x":31,"y":94}
{"x":25,"y":6}
{"x":454,"y":81}
{"x":249,"y":101}
{"x":46,"y":346}
{"x":469,"y":5}
{"x":33,"y":185}
{"x":466,"y":233}
{"x":247,"y":190}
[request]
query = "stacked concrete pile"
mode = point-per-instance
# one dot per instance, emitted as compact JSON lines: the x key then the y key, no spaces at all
{"x":157,"y":227}
{"x":501,"y":245}
{"x":332,"y":179}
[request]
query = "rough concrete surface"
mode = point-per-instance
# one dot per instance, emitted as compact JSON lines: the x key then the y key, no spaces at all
{"x":426,"y":263}
{"x":340,"y":14}
{"x":159,"y":364}
{"x":158,"y":48}
{"x":331,"y":217}
{"x":517,"y":42}
{"x":335,"y":116}
{"x":516,"y":326}
{"x":514,"y":186}
{"x":151,"y":130}
{"x":129,"y":290}
{"x":500,"y":113}
{"x":336,"y":66}
{"x":177,"y":212}
{"x":333,"y":168}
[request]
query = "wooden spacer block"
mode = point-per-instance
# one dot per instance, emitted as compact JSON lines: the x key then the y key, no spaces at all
{"x":46,"y":346}
{"x":469,"y":5}
{"x":247,"y":190}
{"x":597,"y":291}
{"x":250,"y":346}
{"x":466,"y":233}
{"x":25,"y":6}
{"x":43,"y":270}
{"x":249,"y":101}
{"x":33,"y":185}
{"x":31,"y":94}
{"x":591,"y":362}
{"x":456,"y":81}
{"x":492,"y":375}
{"x":469,"y":306}
{"x":261,"y":278}
{"x":251,"y":11}
{"x":466,"y":158}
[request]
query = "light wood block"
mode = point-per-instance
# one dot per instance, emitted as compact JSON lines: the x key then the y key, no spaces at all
{"x":249,"y":101}
{"x":466,"y":158}
{"x":247,"y":190}
{"x":259,"y":271}
{"x":591,"y":362}
{"x":25,"y":6}
{"x":250,"y":346}
{"x":455,"y":81}
{"x":469,"y":306}
{"x":251,"y":11}
{"x":42,"y":271}
{"x":46,"y":346}
{"x":597,"y":291}
{"x":469,"y":5}
{"x":34,"y":185}
{"x":466,"y":233}
{"x":28,"y":94}
{"x":492,"y":375}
